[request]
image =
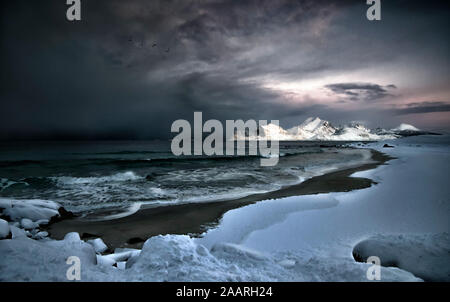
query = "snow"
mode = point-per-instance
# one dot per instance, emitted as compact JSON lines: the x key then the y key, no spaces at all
{"x":24,"y":259}
{"x":105,"y":261}
{"x":17,"y":232}
{"x":42,"y":222}
{"x":27,"y":224}
{"x":98,"y":244}
{"x":412,"y":198}
{"x":40,"y":235}
{"x":180,"y":258}
{"x":174,"y":258}
{"x":424,"y":255}
{"x":121,"y":265}
{"x":311,"y":124}
{"x":34,"y":209}
{"x":26,"y":216}
{"x":272,"y":131}
{"x":119,"y":256}
{"x":359,"y":133}
{"x":4,"y":229}
{"x":405,"y":127}
{"x":317,"y":129}
{"x":313,"y":129}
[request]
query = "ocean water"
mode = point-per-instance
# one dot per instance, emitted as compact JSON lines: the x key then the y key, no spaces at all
{"x":98,"y":178}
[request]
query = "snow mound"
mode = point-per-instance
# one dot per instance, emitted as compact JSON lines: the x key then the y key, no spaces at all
{"x":176,"y":258}
{"x":426,"y":256}
{"x":406,"y":127}
{"x":180,"y":258}
{"x":24,"y":259}
{"x":17,"y":232}
{"x":27,"y":224}
{"x":4,"y":229}
{"x":34,"y":209}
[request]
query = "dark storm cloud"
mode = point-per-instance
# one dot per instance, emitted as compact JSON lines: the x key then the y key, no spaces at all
{"x":360,"y":91}
{"x":130,"y":68}
{"x":133,"y":67}
{"x":423,"y":107}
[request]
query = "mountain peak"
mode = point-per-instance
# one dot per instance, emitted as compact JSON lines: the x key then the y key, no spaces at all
{"x":312,"y":123}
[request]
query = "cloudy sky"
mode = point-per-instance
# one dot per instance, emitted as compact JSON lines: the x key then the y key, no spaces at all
{"x":128,"y":69}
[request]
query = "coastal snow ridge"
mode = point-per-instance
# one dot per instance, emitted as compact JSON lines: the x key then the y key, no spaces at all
{"x":162,"y":258}
{"x":315,"y":129}
{"x":176,"y":258}
{"x":24,"y":217}
{"x":169,"y":258}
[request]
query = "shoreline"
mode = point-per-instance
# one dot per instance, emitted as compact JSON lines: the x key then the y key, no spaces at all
{"x":195,"y":218}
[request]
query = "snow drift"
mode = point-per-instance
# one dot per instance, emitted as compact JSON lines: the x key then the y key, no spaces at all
{"x":424,"y":255}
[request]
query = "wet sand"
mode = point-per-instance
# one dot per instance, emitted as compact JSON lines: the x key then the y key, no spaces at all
{"x":195,"y":218}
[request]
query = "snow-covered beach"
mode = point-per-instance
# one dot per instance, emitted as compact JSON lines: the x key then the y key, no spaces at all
{"x":403,"y":220}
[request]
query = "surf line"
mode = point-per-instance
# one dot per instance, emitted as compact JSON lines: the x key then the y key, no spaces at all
{"x":213,"y":143}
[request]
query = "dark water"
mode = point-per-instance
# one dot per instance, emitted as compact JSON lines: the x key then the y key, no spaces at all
{"x":88,"y":177}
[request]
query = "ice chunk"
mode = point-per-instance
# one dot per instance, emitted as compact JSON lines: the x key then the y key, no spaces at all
{"x":98,"y":244}
{"x":117,"y":257}
{"x":111,"y":259}
{"x":121,"y":250}
{"x":73,"y":236}
{"x":288,"y":263}
{"x":27,"y":224}
{"x":17,"y":232}
{"x":40,"y":235}
{"x":105,"y":261}
{"x":4,"y":229}
{"x":121,"y":265}
{"x":42,"y":221}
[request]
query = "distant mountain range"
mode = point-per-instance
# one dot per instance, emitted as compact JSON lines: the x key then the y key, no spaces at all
{"x":315,"y":129}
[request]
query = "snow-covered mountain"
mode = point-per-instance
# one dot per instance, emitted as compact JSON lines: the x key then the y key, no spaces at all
{"x":312,"y":129}
{"x":317,"y":129}
{"x":405,"y":127}
{"x":274,"y":132}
